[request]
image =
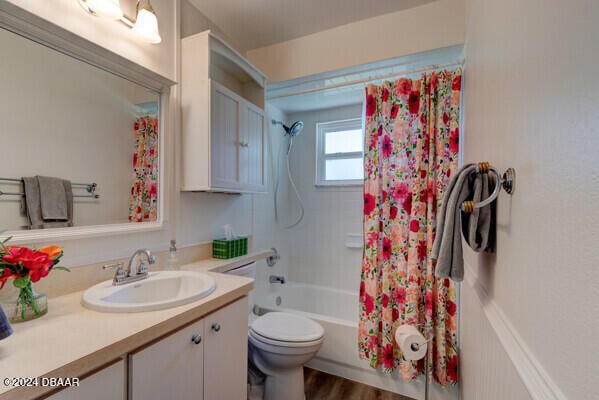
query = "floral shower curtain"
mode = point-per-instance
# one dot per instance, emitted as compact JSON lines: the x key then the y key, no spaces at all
{"x":411,"y":149}
{"x":144,"y":189}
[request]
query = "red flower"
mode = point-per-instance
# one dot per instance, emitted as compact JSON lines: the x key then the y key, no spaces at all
{"x":414,"y":225}
{"x":454,"y":140}
{"x":451,"y":307}
{"x":445,"y":118}
{"x":394,"y":111}
{"x":393,"y":212}
{"x":414,"y":102}
{"x":394,"y":314}
{"x":407,"y":204}
{"x":422,"y":250}
{"x":400,"y":192}
{"x":387,"y":147}
{"x":370,"y":105}
{"x":386,"y":248}
{"x":385,"y":94}
{"x":457,"y":83}
{"x":7,"y":273}
{"x":400,"y":296}
{"x":404,"y":86}
{"x":384,"y":300}
{"x":136,"y":126}
{"x":30,"y":259}
{"x":369,"y":203}
{"x":368,"y":303}
{"x":388,"y":359}
{"x":452,"y":368}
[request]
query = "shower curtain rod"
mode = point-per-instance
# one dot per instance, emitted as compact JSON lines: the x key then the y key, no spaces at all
{"x":370,"y":79}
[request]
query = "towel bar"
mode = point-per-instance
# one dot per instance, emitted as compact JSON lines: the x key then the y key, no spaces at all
{"x":507,"y":181}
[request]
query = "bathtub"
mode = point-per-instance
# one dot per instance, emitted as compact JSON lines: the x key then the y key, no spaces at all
{"x":337,"y":311}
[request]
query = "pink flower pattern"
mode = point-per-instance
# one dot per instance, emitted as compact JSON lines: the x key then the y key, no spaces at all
{"x":143,"y":201}
{"x":411,"y":150}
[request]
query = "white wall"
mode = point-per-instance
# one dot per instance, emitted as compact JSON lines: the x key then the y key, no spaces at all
{"x":317,"y":252}
{"x":531,"y":102}
{"x":430,"y":26}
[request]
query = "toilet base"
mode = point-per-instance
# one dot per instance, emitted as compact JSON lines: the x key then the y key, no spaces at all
{"x":287,"y":384}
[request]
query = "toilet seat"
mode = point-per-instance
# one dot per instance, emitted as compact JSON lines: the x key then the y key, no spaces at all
{"x":286,"y":329}
{"x":255,"y":337}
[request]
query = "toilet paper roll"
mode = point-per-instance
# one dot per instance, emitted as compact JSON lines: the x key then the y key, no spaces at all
{"x":411,"y":342}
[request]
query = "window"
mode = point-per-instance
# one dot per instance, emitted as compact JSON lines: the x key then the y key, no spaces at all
{"x":339,"y":153}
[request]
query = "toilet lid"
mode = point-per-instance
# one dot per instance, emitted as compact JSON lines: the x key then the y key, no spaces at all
{"x":287,"y":327}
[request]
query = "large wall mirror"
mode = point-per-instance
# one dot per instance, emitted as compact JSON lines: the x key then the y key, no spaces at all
{"x":81,"y":146}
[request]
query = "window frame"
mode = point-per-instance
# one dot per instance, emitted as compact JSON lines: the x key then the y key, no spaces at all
{"x":322,"y":128}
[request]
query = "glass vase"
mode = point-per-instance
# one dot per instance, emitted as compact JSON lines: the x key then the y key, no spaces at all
{"x":28,"y":305}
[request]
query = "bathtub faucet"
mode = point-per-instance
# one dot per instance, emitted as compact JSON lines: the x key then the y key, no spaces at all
{"x":276,"y":279}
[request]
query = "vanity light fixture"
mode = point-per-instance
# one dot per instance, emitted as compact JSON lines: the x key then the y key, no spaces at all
{"x":145,"y":24}
{"x":103,"y":8}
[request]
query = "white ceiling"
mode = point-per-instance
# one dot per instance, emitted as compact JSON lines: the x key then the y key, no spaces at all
{"x":258,"y":23}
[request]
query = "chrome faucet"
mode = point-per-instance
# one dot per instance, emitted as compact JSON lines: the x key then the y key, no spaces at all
{"x":276,"y":279}
{"x":134,"y":272}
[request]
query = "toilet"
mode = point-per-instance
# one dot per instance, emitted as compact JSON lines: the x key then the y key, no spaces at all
{"x":280,"y":344}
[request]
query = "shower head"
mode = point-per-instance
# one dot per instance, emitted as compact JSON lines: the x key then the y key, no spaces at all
{"x":293,"y":130}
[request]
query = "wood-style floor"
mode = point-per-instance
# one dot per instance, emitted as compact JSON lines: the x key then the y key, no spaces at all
{"x":322,"y":386}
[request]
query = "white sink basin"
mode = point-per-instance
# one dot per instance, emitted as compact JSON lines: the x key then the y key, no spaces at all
{"x":162,"y":289}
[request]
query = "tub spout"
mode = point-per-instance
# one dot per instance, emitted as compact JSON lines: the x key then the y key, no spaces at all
{"x":276,"y":279}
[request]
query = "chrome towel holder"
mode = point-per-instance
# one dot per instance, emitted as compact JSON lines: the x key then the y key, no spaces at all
{"x":507,"y":181}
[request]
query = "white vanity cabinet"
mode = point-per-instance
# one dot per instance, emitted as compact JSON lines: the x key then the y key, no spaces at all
{"x":223,"y":123}
{"x":107,"y":383}
{"x":204,"y":360}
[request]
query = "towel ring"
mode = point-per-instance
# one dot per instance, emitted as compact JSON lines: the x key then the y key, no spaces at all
{"x":507,"y":181}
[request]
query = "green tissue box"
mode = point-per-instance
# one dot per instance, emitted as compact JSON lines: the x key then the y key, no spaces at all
{"x":222,"y":248}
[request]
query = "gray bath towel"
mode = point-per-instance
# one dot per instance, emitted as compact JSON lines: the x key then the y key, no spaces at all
{"x":5,"y":328}
{"x":447,"y":248}
{"x":53,"y":199}
{"x":478,"y":226}
{"x":32,"y":202}
{"x":48,"y":201}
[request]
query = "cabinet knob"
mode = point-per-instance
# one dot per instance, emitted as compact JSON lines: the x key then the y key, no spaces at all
{"x":197,"y":339}
{"x":216,"y":327}
{"x":244,"y":143}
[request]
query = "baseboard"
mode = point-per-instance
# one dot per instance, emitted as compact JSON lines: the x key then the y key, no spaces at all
{"x":534,"y":377}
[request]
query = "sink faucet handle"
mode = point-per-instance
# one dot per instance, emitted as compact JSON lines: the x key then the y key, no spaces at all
{"x":120,"y":273}
{"x":142,"y":269}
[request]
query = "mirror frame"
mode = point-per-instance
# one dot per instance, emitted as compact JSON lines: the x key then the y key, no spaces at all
{"x":46,"y":33}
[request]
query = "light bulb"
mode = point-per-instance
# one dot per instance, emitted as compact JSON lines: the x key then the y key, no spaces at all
{"x":146,"y":25}
{"x":105,"y":8}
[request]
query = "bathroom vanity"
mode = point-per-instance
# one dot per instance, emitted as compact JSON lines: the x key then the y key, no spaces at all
{"x":181,"y":352}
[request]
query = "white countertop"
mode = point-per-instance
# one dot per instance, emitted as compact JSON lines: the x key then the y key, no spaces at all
{"x":70,"y":340}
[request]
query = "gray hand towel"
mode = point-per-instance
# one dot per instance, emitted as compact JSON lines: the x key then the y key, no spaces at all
{"x":478,"y":226}
{"x":32,"y":202}
{"x":447,"y":248}
{"x":5,"y":328}
{"x":53,"y":199}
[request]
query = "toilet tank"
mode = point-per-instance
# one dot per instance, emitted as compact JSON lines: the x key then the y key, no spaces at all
{"x":249,"y":271}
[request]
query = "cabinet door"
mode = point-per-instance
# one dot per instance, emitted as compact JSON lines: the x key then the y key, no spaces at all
{"x":171,"y":368}
{"x":108,"y":383}
{"x":224,"y":128}
{"x":225,"y":353}
{"x":252,"y":173}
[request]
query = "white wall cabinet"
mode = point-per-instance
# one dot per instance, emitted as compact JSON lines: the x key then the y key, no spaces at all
{"x":107,"y":383}
{"x":222,"y":101}
{"x":206,"y":360}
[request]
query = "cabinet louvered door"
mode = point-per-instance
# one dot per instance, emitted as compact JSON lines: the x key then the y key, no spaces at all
{"x":225,"y":112}
{"x":252,"y":174}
